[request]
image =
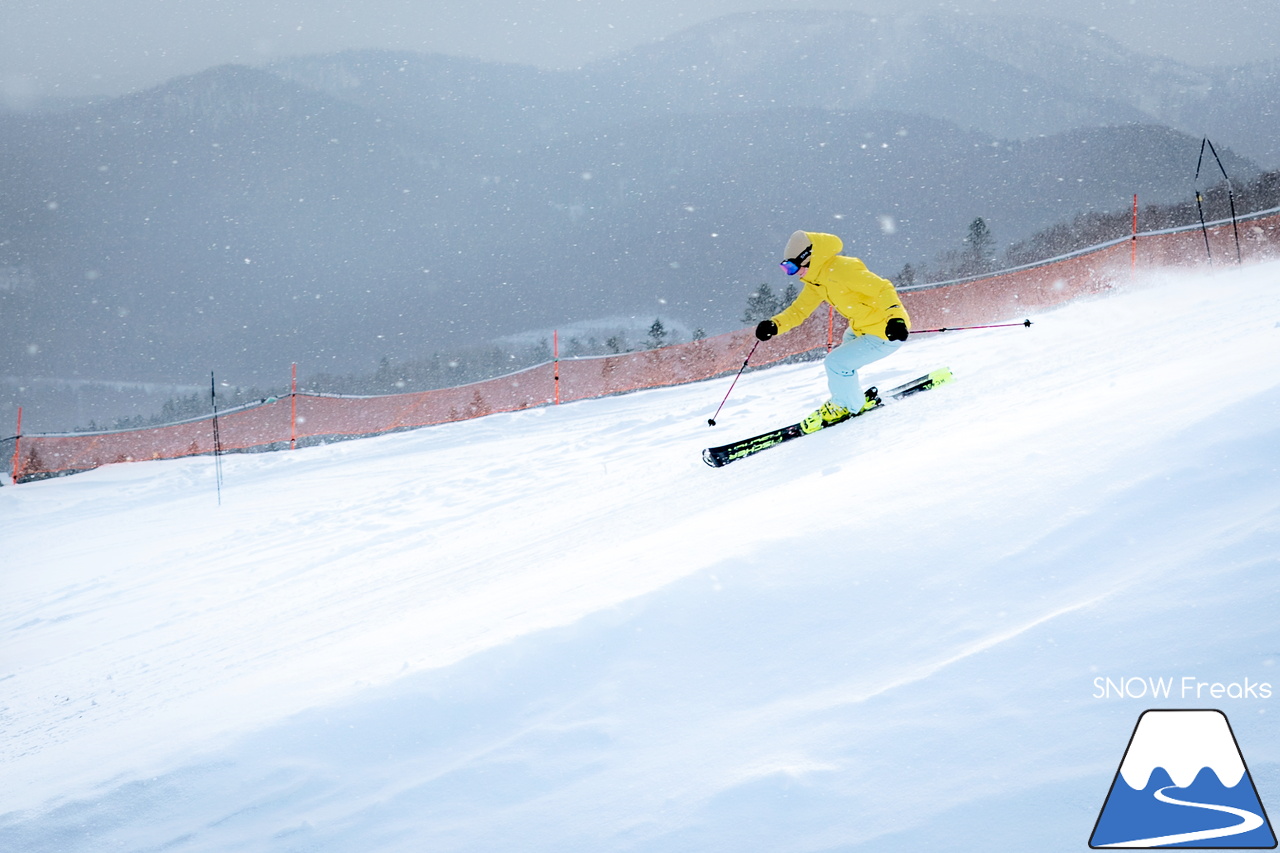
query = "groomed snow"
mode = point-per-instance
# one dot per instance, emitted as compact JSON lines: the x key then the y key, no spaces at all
{"x":559,"y":630}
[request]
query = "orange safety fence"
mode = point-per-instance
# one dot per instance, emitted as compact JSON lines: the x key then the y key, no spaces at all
{"x":306,"y":417}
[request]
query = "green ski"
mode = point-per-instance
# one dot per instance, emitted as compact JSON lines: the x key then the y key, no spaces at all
{"x":718,"y":457}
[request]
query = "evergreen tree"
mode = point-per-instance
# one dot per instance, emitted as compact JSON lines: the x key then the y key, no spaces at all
{"x":979,"y":256}
{"x":761,"y":305}
{"x":906,"y":277}
{"x":657,"y":334}
{"x":788,"y":296}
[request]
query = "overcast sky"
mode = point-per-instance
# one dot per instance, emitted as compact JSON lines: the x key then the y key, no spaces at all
{"x":77,"y":47}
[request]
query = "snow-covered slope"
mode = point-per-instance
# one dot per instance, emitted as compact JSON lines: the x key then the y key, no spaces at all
{"x":558,"y":630}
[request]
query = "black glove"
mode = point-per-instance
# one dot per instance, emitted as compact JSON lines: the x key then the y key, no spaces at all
{"x":896,"y":329}
{"x":767,"y":329}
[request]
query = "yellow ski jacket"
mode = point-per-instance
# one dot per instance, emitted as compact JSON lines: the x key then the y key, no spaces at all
{"x":863,"y":298}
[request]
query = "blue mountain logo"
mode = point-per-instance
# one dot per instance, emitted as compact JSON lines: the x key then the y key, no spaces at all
{"x":1183,"y":783}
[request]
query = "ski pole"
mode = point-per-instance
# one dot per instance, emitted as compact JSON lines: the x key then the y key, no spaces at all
{"x":711,"y":421}
{"x":1026,"y":323}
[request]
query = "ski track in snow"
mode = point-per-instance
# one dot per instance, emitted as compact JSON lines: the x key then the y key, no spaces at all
{"x":885,"y":623}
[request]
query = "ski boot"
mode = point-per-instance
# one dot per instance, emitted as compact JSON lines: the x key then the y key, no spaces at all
{"x":873,"y":400}
{"x":832,"y":412}
{"x":827,"y":414}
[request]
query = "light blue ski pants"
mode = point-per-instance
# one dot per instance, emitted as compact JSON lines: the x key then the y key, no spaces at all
{"x":843,"y":362}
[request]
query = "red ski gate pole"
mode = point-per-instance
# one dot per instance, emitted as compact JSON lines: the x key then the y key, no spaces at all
{"x":17,"y":450}
{"x":293,"y":409}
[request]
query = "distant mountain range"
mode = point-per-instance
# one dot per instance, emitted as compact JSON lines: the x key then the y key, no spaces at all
{"x":1007,"y":77}
{"x":334,"y":210}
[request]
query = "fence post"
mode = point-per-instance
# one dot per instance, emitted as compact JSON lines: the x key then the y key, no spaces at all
{"x":17,"y":449}
{"x":831,"y":327}
{"x":1133,"y":252}
{"x":293,"y":410}
{"x":555,"y":359}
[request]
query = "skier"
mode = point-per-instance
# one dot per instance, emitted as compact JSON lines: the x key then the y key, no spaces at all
{"x":878,"y":324}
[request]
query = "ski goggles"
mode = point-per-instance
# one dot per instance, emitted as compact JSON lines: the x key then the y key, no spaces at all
{"x":792,"y":265}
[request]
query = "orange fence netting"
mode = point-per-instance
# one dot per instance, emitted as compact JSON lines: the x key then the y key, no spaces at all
{"x":306,"y":417}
